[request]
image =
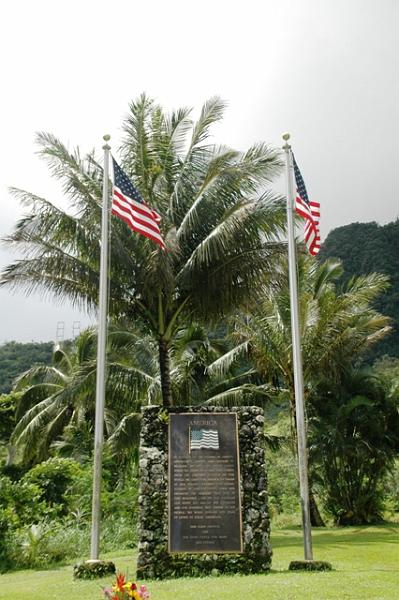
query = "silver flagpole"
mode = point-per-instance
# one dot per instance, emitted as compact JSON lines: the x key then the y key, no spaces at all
{"x":101,"y":349}
{"x":297,"y":358}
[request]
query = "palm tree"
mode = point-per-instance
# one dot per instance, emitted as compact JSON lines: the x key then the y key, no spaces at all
{"x":51,"y":397}
{"x":56,"y":406}
{"x":220,"y":225}
{"x":337,"y":328}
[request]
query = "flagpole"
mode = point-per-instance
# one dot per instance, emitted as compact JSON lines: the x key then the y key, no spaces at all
{"x":101,"y":359}
{"x":297,"y":358}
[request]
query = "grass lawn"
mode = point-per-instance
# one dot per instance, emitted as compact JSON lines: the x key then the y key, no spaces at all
{"x":365,"y":559}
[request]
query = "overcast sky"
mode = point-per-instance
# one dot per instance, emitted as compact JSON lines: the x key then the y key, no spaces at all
{"x":324,"y":70}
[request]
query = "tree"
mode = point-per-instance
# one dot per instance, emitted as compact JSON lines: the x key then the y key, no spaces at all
{"x":193,"y":350}
{"x":354,"y":439}
{"x":57,"y":402}
{"x":55,"y":406}
{"x":337,"y":328}
{"x":221,"y":228}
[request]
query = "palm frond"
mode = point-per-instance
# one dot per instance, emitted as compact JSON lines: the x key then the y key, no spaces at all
{"x":35,"y":420}
{"x":211,"y":112}
{"x":216,"y":174}
{"x":135,"y":151}
{"x":257,"y":395}
{"x":326,"y":273}
{"x":223,"y":364}
{"x":81,"y":178}
{"x":126,"y":434}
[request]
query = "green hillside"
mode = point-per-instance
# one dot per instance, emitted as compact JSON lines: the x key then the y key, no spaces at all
{"x":365,"y":248}
{"x":15,"y":358}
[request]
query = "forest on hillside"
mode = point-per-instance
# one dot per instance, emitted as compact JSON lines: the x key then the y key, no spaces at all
{"x":16,"y":357}
{"x":365,"y":248}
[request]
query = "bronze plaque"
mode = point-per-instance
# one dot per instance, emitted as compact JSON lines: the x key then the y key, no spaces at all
{"x":204,"y":483}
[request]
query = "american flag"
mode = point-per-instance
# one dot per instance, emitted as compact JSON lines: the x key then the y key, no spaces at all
{"x":128,"y":205}
{"x":310,"y":211}
{"x":204,"y":438}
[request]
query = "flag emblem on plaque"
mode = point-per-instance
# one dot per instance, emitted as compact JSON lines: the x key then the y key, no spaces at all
{"x":204,"y":438}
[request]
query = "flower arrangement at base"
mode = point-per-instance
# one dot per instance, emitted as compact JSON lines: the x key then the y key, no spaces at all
{"x":125,"y":590}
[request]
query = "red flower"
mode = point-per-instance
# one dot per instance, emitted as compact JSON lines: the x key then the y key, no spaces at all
{"x":120,"y":582}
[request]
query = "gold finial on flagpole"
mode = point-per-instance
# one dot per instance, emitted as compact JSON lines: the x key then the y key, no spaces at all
{"x":106,"y":139}
{"x":286,"y":137}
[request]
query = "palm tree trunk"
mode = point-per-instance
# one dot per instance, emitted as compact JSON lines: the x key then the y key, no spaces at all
{"x":11,"y":454}
{"x":164,"y":367}
{"x":316,"y":519}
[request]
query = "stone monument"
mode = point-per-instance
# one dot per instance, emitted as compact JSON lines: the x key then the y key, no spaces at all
{"x":203,"y":500}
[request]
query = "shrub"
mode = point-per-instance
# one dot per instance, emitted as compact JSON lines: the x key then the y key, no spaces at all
{"x":310,"y":565}
{"x":31,"y":548}
{"x":45,"y":517}
{"x":118,"y":503}
{"x":49,"y":542}
{"x":5,"y":534}
{"x":55,"y":477}
{"x":93,"y":570}
{"x":20,"y":502}
{"x":391,"y":488}
{"x":13,"y":471}
{"x":283,"y":486}
{"x":353,"y":441}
